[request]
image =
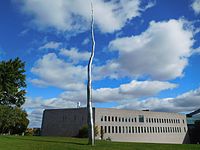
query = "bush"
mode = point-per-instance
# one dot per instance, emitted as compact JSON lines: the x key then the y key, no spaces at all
{"x":83,"y":132}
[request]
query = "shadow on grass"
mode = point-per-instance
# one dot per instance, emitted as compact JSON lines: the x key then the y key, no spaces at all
{"x":50,"y":141}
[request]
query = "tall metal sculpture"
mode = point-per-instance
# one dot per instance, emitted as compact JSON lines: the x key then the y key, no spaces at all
{"x":89,"y":85}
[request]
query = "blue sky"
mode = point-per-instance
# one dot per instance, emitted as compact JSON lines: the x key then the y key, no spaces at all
{"x":147,"y":53}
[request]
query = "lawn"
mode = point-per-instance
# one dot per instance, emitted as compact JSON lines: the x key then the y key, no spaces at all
{"x":62,"y":143}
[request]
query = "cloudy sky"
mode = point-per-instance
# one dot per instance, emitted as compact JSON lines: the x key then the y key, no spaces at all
{"x":147,"y":53}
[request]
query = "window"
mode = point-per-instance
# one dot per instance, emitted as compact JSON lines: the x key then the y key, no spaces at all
{"x":141,"y":129}
{"x":150,"y":129}
{"x":122,"y":119}
{"x":138,"y":129}
{"x":183,"y":121}
{"x":129,"y":129}
{"x":108,"y":129}
{"x":158,"y":130}
{"x":147,"y":129}
{"x":101,"y":118}
{"x":144,"y":129}
{"x":113,"y":129}
{"x":125,"y":119}
{"x":154,"y":120}
{"x":135,"y":129}
{"x":116,"y":131}
{"x":129,"y":119}
{"x":132,"y":129}
{"x":141,"y":118}
{"x":123,"y":129}
{"x":119,"y":119}
{"x":115,"y":119}
{"x":105,"y":118}
{"x":149,"y":120}
{"x":146,"y":120}
{"x":126,"y":129}
{"x":105,"y":129}
{"x":184,"y":129}
{"x":132,"y":120}
{"x":112,"y":119}
{"x":135,"y":119}
{"x":108,"y":118}
{"x":153,"y":129}
{"x":119,"y":129}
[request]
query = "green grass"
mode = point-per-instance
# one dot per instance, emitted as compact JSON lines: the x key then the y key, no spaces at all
{"x":62,"y":143}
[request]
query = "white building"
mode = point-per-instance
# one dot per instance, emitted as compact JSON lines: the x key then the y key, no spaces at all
{"x":119,"y":125}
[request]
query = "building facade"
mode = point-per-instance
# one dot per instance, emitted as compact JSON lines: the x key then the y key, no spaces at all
{"x":119,"y":125}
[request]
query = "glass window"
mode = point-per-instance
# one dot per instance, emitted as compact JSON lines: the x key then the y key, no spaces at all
{"x":126,"y":129}
{"x":116,"y":131}
{"x":135,"y":129}
{"x":123,"y":130}
{"x":132,"y":129}
{"x":141,"y":118}
{"x":119,"y":129}
{"x":129,"y":129}
{"x":112,"y":119}
{"x":105,"y":118}
{"x":138,"y":129}
{"x":119,"y":119}
{"x":183,"y":121}
{"x":141,"y":129}
{"x":113,"y":129}
{"x":135,"y":119}
{"x":122,"y":119}
{"x":108,"y":118}
{"x":105,"y":129}
{"x":115,"y":119}
{"x":146,"y":120}
{"x":108,"y":129}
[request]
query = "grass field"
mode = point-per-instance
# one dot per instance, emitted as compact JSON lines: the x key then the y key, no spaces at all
{"x":61,"y":143}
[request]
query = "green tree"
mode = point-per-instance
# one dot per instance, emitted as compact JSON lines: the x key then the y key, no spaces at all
{"x":13,"y":120}
{"x":12,"y":82}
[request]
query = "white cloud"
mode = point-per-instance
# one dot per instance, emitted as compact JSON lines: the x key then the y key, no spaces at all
{"x":162,"y":51}
{"x":51,"y":45}
{"x":35,"y":108}
{"x":196,"y":6}
{"x":188,"y":101}
{"x":74,"y":55}
{"x":69,"y":99}
{"x":129,"y":91}
{"x":75,"y":16}
{"x":86,"y":41}
{"x":52,"y":71}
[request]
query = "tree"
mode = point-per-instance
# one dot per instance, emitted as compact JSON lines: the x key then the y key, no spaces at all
{"x":13,"y":120}
{"x":89,"y":86}
{"x":12,"y":82}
